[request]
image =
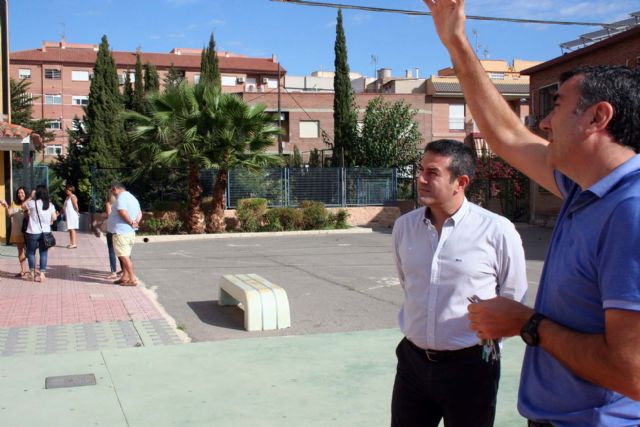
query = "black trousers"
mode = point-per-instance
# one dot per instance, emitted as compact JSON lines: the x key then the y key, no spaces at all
{"x":461,"y":388}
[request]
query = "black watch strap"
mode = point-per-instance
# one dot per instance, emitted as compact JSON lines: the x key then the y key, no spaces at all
{"x":529,"y":332}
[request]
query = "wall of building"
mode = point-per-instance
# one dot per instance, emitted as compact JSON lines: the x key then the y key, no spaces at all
{"x":545,"y":205}
{"x":311,"y":106}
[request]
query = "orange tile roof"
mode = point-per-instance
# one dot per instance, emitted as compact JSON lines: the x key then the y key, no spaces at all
{"x":9,"y":130}
{"x":87,"y":57}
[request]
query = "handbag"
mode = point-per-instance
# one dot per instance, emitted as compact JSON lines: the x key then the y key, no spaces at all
{"x":25,"y":224}
{"x":48,"y":239}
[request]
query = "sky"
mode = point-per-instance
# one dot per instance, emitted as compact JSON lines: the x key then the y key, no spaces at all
{"x":302,"y":38}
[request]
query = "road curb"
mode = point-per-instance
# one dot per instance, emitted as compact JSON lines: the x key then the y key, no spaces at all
{"x":182,"y":237}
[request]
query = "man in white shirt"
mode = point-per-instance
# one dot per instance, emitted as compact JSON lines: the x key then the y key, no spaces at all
{"x":447,"y":252}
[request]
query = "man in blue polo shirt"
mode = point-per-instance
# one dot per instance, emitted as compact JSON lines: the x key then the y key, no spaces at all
{"x":582,"y":364}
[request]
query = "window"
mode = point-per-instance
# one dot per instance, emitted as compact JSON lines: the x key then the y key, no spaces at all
{"x":53,"y":150}
{"x":24,"y":73}
{"x":50,"y":73}
{"x":80,"y":76}
{"x":496,"y":76}
{"x":78,"y":125}
{"x":196,"y":79}
{"x":229,"y":80}
{"x":309,"y":128}
{"x":53,"y":99}
{"x":123,"y":77}
{"x":456,"y":117}
{"x":546,"y":95}
{"x":54,"y":124}
{"x":80,"y":100}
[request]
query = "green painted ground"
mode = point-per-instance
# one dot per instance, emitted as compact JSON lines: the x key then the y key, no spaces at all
{"x":342,"y":379}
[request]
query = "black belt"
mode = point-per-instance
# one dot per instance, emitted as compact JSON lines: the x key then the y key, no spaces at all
{"x":537,"y":424}
{"x":448,"y":355}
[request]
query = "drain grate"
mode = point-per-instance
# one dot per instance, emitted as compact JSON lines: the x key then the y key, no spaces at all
{"x":69,"y":381}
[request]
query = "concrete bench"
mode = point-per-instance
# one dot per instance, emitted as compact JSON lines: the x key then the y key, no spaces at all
{"x":266,"y":306}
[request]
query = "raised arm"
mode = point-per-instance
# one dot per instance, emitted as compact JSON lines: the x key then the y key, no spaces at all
{"x":501,"y":128}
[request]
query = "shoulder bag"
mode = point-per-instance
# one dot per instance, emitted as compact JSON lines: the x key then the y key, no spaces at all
{"x":48,"y":239}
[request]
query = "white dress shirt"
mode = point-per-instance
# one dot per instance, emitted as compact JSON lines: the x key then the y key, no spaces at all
{"x":478,"y":253}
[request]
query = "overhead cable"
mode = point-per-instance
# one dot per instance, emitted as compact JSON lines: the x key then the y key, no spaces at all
{"x":421,"y":13}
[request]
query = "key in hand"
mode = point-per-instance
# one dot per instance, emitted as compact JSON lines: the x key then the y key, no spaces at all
{"x":489,"y":350}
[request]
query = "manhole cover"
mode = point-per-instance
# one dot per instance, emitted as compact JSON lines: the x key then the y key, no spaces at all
{"x":69,"y":381}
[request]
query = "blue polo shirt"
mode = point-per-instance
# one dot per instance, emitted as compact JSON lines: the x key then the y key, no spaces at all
{"x":593,"y":264}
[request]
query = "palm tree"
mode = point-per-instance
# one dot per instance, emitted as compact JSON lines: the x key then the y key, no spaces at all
{"x":173,"y":134}
{"x":239,"y":136}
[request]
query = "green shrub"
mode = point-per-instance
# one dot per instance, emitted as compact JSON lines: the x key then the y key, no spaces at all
{"x":161,"y":226}
{"x":272,"y":221}
{"x":340,"y":219}
{"x":166,"y":205}
{"x":315,"y":215}
{"x":250,"y":213}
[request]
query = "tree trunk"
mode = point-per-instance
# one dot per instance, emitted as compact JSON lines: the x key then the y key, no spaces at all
{"x":195,"y":220}
{"x":215,"y":221}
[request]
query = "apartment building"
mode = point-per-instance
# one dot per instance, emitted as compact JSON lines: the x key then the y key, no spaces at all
{"x":306,"y":102}
{"x":60,"y":76}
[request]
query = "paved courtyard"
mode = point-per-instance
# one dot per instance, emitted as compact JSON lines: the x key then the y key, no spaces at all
{"x":335,"y":282}
{"x":334,"y":366}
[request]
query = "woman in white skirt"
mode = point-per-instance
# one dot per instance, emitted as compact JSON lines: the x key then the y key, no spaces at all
{"x":71,"y":215}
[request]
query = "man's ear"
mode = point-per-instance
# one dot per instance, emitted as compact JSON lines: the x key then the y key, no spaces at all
{"x":602,"y":115}
{"x":463,"y":182}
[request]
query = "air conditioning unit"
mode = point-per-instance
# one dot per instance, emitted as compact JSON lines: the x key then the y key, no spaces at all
{"x":240,"y":79}
{"x":265,"y":80}
{"x":251,"y":88}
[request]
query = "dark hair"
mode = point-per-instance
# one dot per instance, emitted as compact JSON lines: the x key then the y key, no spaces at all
{"x":70,"y":187}
{"x":117,"y":184}
{"x":16,"y":199}
{"x":620,"y":87}
{"x":462,"y":161}
{"x":43,"y":194}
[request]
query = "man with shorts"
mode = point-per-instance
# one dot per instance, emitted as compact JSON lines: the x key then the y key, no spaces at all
{"x":123,"y":220}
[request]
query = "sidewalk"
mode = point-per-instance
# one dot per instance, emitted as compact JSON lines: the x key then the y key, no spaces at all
{"x":76,"y":308}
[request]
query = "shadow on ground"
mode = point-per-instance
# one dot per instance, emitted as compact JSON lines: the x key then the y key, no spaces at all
{"x":214,"y":314}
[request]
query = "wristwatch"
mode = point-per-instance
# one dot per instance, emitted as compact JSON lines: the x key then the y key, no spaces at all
{"x":529,"y":332}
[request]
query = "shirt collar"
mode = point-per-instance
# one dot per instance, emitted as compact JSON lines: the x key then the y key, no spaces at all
{"x":456,"y":217}
{"x":603,"y":186}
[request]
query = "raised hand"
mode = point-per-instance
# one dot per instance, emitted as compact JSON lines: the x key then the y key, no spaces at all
{"x":449,"y":18}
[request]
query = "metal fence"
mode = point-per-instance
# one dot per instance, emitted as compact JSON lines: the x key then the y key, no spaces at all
{"x":290,"y":186}
{"x":280,"y":186}
{"x":29,"y":177}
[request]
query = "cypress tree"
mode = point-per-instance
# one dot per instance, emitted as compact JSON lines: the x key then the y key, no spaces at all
{"x":137,"y":101}
{"x":104,"y":122}
{"x":127,"y":92}
{"x":173,"y":78}
{"x":209,"y":66}
{"x":151,"y":78}
{"x":344,"y":114}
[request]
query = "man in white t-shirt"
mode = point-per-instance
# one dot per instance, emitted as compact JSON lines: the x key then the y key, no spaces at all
{"x":448,"y":252}
{"x":123,"y":222}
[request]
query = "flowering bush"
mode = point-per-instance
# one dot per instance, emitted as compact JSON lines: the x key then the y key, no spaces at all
{"x":496,"y":179}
